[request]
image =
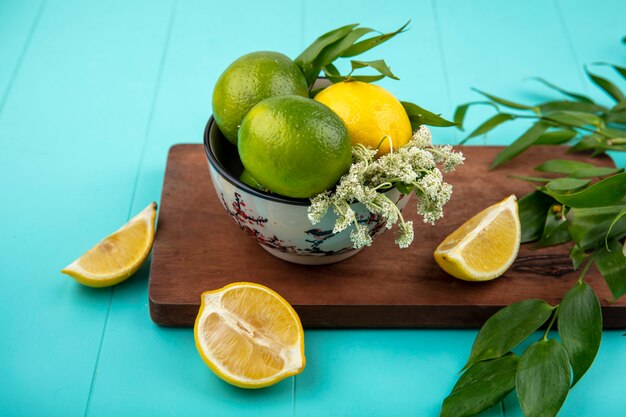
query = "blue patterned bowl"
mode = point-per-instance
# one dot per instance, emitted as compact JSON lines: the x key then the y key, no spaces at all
{"x":280,"y":224}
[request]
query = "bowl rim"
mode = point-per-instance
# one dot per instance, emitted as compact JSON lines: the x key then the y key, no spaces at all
{"x":235,"y":181}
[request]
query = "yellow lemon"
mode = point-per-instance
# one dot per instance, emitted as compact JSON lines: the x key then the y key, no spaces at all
{"x":371,"y":114}
{"x":249,"y":335}
{"x":119,"y":255}
{"x":485,"y":246}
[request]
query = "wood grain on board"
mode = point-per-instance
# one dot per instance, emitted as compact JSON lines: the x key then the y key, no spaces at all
{"x":198,"y":247}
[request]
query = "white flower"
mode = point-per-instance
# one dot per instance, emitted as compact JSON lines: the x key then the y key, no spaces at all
{"x":345,"y":217}
{"x":414,"y":164}
{"x":453,"y":160}
{"x":422,"y":137}
{"x":319,"y":206}
{"x":406,"y":235}
{"x":360,"y":237}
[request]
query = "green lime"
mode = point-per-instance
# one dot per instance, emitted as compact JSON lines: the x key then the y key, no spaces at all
{"x":248,"y":179}
{"x":295,"y":146}
{"x":249,"y":80}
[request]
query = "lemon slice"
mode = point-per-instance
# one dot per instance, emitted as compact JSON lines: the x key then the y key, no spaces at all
{"x":119,"y":255}
{"x":249,"y":335}
{"x":485,"y":246}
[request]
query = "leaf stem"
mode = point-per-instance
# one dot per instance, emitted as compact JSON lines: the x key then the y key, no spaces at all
{"x":585,"y":269}
{"x":554,"y":315}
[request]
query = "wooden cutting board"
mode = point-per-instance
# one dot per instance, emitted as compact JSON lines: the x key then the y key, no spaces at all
{"x":198,"y":247}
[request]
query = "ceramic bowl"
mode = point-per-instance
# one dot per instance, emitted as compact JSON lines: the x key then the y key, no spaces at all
{"x":280,"y":224}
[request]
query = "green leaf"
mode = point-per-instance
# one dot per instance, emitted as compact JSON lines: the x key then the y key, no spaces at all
{"x":573,"y":118}
{"x":553,"y":106}
{"x":575,"y":169}
{"x":520,"y":145}
{"x":338,"y":78}
{"x":504,"y":102}
{"x":616,"y":116}
{"x":532,"y":214}
{"x":609,"y":191}
{"x":379,"y":65}
{"x":404,"y":188}
{"x":461,"y":111}
{"x":567,"y":184}
{"x":598,"y":144}
{"x":615,"y":221}
{"x":543,"y":379}
{"x":620,"y":70}
{"x":366,"y":78}
{"x":419,"y":116}
{"x":367,"y":44}
{"x":607,"y":86}
{"x":508,"y":328}
{"x":307,"y":58}
{"x":575,"y":96}
{"x":578,"y":256}
{"x":589,"y":227}
{"x":489,"y":124}
{"x":531,"y":179}
{"x":481,"y":387}
{"x":331,"y":52}
{"x":580,"y":327}
{"x":588,"y":142}
{"x":611,"y":263}
{"x":555,"y":230}
{"x":556,"y":137}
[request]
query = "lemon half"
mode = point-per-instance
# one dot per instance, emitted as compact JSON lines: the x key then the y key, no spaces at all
{"x":249,"y":335}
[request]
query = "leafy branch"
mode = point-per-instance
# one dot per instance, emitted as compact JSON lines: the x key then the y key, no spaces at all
{"x":345,"y":42}
{"x":578,"y":203}
{"x":586,"y":207}
{"x":575,"y":119}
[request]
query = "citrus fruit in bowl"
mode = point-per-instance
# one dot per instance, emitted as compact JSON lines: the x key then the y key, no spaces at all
{"x":294,"y":146}
{"x":249,"y":80}
{"x":280,"y":224}
{"x":374,"y":117}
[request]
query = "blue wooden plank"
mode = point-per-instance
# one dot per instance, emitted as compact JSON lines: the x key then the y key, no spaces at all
{"x":381,"y":372}
{"x":70,"y":137}
{"x":495,"y":46}
{"x":594,"y":34}
{"x":167,"y":375}
{"x":19,"y":22}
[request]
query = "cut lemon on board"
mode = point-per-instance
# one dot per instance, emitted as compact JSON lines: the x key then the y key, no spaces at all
{"x":485,"y":246}
{"x":117,"y":256}
{"x":249,"y":335}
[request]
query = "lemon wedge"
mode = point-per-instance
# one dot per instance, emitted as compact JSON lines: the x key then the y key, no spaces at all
{"x":249,"y":335}
{"x":485,"y":246}
{"x":119,"y":255}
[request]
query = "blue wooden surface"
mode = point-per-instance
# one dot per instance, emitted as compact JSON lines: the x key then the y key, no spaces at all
{"x":92,"y":95}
